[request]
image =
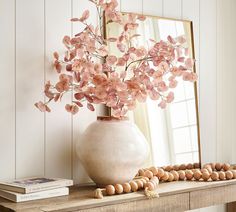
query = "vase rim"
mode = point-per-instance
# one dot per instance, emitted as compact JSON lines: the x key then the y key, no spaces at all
{"x":112,"y":118}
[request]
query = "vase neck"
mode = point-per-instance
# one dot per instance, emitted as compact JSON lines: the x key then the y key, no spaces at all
{"x":112,"y":118}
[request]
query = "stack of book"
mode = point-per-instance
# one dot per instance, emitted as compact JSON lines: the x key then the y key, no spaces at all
{"x":34,"y":188}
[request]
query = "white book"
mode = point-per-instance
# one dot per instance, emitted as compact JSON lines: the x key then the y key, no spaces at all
{"x":16,"y":197}
{"x":34,"y":184}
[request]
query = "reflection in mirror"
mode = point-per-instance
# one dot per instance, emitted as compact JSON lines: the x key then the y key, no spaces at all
{"x":172,"y":133}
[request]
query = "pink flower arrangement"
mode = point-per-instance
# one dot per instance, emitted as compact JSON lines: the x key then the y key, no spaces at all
{"x":92,"y":73}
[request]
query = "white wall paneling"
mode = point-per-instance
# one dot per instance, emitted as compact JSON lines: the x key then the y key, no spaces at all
{"x":208,"y":85}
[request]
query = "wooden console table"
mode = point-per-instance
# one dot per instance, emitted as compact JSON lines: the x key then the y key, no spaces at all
{"x":174,"y":197}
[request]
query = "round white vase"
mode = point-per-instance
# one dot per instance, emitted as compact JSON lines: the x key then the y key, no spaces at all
{"x":112,"y":150}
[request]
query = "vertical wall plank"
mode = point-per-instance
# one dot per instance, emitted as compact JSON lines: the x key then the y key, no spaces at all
{"x":29,"y":82}
{"x":223,"y":80}
{"x":172,"y":8}
{"x":58,"y":122}
{"x":226,"y":122}
{"x":208,"y":79}
{"x":7,"y":89}
{"x":131,"y":6}
{"x":153,"y":7}
{"x":232,"y":34}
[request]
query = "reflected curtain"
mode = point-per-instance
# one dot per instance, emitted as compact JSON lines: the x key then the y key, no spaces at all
{"x":140,"y":118}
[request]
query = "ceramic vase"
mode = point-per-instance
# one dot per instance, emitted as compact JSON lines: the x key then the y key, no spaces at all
{"x":112,"y":150}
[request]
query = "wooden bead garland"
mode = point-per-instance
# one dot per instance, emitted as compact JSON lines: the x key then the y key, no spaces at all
{"x":148,"y":179}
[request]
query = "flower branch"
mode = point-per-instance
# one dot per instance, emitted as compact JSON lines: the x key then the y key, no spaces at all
{"x":98,"y":77}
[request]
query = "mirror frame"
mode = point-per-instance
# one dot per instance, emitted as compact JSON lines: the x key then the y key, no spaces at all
{"x":108,"y":109}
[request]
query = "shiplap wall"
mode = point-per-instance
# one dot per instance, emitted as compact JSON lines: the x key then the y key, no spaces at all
{"x":34,"y":143}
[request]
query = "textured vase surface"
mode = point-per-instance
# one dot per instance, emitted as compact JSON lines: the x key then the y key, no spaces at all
{"x":112,"y":150}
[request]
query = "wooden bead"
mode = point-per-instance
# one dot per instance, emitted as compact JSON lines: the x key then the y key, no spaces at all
{"x":197,"y":175}
{"x":148,"y":174}
{"x":218,"y":166}
{"x":189,"y":166}
{"x":234,"y":173}
{"x":165,"y":176}
{"x":154,"y":171}
{"x":155,"y":181}
{"x":189,"y":174}
{"x":214,"y":176}
{"x":204,"y":170}
{"x":222,"y":175}
{"x":146,"y":179}
{"x":126,"y":187}
{"x":196,"y":165}
{"x":143,"y":181}
{"x":134,"y":186}
{"x":205,"y":176}
{"x":141,"y":172}
{"x":213,"y":166}
{"x":168,"y":168}
{"x":226,"y":166}
{"x":195,"y":170}
{"x":182,"y":167}
{"x":209,"y":169}
{"x":170,"y":177}
{"x":118,"y":188}
{"x":150,"y":186}
{"x":163,"y":167}
{"x":181,"y":175}
{"x":229,"y":175}
{"x":176,"y":167}
{"x":175,"y":174}
{"x":206,"y":165}
{"x":160,"y":173}
{"x":140,"y":183}
{"x":110,"y":189}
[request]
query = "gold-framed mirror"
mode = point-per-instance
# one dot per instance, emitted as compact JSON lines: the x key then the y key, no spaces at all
{"x":173,"y":133}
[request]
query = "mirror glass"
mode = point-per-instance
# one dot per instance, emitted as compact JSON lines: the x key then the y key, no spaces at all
{"x":172,"y":133}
